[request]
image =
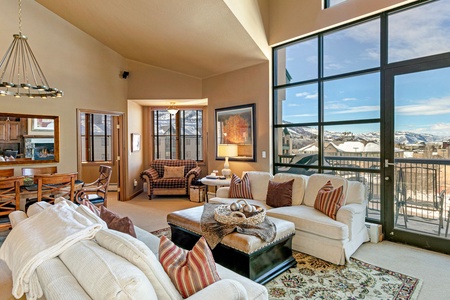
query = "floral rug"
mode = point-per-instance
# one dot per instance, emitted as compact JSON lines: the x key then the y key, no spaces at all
{"x":314,"y":278}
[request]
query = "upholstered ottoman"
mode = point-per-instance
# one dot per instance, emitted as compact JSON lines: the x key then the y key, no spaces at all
{"x":247,"y":255}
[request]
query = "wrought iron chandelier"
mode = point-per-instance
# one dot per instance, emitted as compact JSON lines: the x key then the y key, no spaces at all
{"x":20,"y":73}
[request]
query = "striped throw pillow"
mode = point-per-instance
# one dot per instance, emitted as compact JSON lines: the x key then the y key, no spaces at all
{"x":329,"y":199}
{"x":190,"y":271}
{"x":240,"y":188}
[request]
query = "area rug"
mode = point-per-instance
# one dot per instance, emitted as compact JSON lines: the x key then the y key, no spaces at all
{"x":314,"y":278}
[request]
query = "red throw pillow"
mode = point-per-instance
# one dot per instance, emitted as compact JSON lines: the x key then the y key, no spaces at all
{"x":115,"y":222}
{"x":329,"y":199}
{"x":190,"y":271}
{"x":279,"y":193}
{"x":240,"y":188}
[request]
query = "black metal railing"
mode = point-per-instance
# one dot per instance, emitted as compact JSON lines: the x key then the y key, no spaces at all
{"x":417,"y":191}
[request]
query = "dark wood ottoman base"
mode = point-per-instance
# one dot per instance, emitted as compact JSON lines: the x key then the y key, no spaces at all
{"x":261,"y":266}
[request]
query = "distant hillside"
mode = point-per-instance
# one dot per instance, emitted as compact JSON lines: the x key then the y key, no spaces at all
{"x":401,"y":137}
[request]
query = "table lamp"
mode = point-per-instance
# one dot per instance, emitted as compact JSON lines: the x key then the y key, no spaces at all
{"x":227,"y":150}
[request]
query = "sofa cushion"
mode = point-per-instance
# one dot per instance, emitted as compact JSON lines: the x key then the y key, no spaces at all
{"x":258,"y":184}
{"x":141,"y":256}
{"x":169,"y":183}
{"x":240,"y":188}
{"x":105,"y":275}
{"x":317,"y":181}
{"x":298,"y":188}
{"x":357,"y":192}
{"x":329,"y":199}
{"x":115,"y":222}
{"x":311,"y":220}
{"x":190,"y":271}
{"x":159,"y":165}
{"x":279,"y":193}
{"x":173,"y":172}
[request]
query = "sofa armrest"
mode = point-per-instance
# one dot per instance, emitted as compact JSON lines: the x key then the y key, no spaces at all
{"x":150,"y":175}
{"x":195,"y":171}
{"x":354,"y":216}
{"x":223,"y":192}
{"x":225,"y":289}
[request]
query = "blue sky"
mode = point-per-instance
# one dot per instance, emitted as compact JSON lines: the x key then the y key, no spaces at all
{"x":422,"y":99}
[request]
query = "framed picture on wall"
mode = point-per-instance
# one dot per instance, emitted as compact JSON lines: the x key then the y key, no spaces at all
{"x":235,"y":133}
{"x":135,"y":142}
{"x":38,"y":124}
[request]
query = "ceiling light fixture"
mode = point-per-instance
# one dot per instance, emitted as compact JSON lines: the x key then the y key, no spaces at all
{"x":20,"y":73}
{"x":172,"y":109}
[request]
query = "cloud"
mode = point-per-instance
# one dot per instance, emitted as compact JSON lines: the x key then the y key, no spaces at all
{"x":306,"y":95}
{"x":357,"y":109}
{"x":425,"y":107}
{"x":299,"y":115}
{"x":349,"y":99}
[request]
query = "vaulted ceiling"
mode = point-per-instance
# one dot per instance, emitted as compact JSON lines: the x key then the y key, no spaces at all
{"x":199,"y":38}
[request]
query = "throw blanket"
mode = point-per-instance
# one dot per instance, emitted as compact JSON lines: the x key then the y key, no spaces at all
{"x":39,"y":238}
{"x":214,"y":231}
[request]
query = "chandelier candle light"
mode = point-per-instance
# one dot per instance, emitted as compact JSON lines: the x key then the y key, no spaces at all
{"x":20,"y":73}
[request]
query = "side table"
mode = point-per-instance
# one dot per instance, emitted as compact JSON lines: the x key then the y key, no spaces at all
{"x":216,"y":183}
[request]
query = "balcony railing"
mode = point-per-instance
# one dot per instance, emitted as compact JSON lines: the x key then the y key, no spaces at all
{"x":419,"y":184}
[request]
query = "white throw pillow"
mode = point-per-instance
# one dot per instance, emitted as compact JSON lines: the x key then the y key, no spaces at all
{"x":259,"y":182}
{"x":298,"y":188}
{"x":317,"y":181}
{"x":357,"y":192}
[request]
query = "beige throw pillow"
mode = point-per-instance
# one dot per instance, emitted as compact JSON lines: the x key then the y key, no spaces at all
{"x":173,"y":172}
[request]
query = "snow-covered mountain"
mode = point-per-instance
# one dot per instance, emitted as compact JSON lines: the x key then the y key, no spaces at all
{"x":401,"y":137}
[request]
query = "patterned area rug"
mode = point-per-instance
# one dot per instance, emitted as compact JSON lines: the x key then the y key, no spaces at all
{"x":314,"y":278}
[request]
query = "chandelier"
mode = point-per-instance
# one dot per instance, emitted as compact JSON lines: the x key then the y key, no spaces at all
{"x":172,"y":109}
{"x":20,"y":73}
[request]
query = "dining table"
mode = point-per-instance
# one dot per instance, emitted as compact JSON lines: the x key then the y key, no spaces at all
{"x":29,"y":190}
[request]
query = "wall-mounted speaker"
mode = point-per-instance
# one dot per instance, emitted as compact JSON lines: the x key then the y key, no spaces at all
{"x":125,"y":74}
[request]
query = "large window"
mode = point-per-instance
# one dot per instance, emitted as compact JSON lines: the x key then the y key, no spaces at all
{"x":96,"y":137}
{"x":178,"y":136}
{"x":330,"y":95}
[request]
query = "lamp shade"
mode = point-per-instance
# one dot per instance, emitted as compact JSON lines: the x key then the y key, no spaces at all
{"x":228,"y":150}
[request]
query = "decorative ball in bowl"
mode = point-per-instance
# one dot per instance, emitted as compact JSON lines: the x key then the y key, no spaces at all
{"x":237,"y":213}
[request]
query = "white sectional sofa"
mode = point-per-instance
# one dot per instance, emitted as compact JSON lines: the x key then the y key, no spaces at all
{"x":115,"y":265}
{"x":316,"y":233}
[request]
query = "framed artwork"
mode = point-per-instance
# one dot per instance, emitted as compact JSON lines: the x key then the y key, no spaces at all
{"x":235,"y":133}
{"x":135,"y":142}
{"x":38,"y":124}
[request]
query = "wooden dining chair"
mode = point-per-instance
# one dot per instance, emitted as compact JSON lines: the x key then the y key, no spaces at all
{"x":96,"y":192}
{"x":52,"y":186}
{"x":39,"y":170}
{"x":6,"y":172}
{"x":9,"y":198}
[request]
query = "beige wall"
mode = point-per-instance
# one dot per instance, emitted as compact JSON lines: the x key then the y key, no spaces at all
{"x":148,"y":82}
{"x":86,"y":70}
{"x":135,"y":159}
{"x":290,"y":19}
{"x":245,"y":86}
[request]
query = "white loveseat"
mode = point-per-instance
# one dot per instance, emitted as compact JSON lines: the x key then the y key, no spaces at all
{"x":115,"y":265}
{"x":315,"y":233}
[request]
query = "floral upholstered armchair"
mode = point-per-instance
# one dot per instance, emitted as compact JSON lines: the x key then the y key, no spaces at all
{"x":170,"y":176}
